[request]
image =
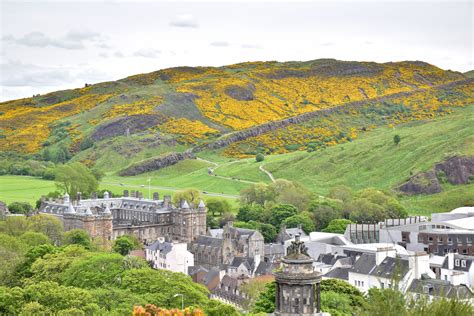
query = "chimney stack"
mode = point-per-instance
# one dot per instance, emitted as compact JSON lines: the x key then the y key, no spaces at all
{"x":167,"y":201}
{"x":156,"y":196}
{"x":94,"y":195}
{"x":78,"y":198}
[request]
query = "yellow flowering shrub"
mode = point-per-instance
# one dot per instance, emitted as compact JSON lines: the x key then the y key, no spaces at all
{"x":26,"y":127}
{"x":187,"y":129}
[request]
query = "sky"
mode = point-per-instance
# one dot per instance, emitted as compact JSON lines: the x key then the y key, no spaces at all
{"x":61,"y":44}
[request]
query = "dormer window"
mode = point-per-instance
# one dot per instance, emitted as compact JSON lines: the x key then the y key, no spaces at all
{"x":456,"y":262}
{"x":463,"y":263}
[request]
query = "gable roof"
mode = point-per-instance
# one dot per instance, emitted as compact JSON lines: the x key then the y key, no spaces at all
{"x":391,"y":267}
{"x":365,"y":264}
{"x":208,"y":241}
{"x":441,"y":288}
{"x":163,"y":247}
{"x":338,"y":273}
{"x":468,"y":260}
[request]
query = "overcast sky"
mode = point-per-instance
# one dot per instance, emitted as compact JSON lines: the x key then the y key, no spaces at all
{"x":52,"y":45}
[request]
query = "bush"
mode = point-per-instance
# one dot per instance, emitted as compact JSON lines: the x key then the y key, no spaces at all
{"x":20,"y":208}
{"x":259,"y":157}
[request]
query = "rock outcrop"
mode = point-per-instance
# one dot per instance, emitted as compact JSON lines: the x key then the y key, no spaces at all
{"x":422,"y":183}
{"x":455,"y":170}
{"x":133,"y":123}
{"x":156,"y":163}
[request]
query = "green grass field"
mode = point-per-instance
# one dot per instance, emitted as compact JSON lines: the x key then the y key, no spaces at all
{"x":24,"y":189}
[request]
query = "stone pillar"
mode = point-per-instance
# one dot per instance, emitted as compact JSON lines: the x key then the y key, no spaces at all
{"x":156,"y":196}
{"x":78,"y":198}
{"x":318,"y":297}
{"x":94,"y":195}
{"x":125,"y":193}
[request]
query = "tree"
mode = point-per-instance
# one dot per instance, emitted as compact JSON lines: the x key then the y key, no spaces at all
{"x":252,"y":212}
{"x":291,"y":192}
{"x":76,"y":177}
{"x":281,"y":212}
{"x":20,"y":208}
{"x":98,"y":270}
{"x":52,"y":266}
{"x":387,"y":302}
{"x":192,"y":196}
{"x":341,"y":192}
{"x":259,"y":193}
{"x":302,"y":219}
{"x":211,"y":222}
{"x":265,"y":302}
{"x":225,"y":218}
{"x":259,"y":157}
{"x":77,"y":237}
{"x":218,"y":206}
{"x":24,"y":269}
{"x":397,"y":139}
{"x":363,"y":211}
{"x":35,"y":239}
{"x":323,"y":215}
{"x":268,"y":231}
{"x":47,"y":224}
{"x":14,"y":225}
{"x":337,"y":226}
{"x":123,"y":245}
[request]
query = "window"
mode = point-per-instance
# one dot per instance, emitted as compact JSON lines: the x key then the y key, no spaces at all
{"x":450,"y":240}
{"x":464,"y":251}
{"x":463,"y":263}
{"x":382,"y":286}
{"x":445,"y":277}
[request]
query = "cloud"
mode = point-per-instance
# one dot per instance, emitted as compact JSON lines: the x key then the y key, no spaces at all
{"x":118,"y":54}
{"x":251,"y":46}
{"x":368,"y":43}
{"x":184,"y":20}
{"x":328,"y":44}
{"x":72,"y":39}
{"x":220,"y":44}
{"x":17,"y":74}
{"x":147,"y":53}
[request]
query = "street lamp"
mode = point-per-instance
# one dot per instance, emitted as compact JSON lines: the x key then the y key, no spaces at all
{"x":182,"y":300}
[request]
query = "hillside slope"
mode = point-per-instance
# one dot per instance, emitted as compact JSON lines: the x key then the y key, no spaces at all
{"x":190,"y":104}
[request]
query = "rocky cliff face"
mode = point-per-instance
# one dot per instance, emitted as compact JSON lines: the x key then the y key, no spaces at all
{"x":455,"y":170}
{"x":156,"y":163}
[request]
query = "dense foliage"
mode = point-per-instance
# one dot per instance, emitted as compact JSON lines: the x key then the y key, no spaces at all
{"x":80,"y":277}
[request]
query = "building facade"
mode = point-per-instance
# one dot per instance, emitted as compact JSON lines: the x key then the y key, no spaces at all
{"x":147,"y":219}
{"x":232,"y":243}
{"x":169,"y":256}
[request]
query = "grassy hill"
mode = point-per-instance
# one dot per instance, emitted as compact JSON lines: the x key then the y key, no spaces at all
{"x":188,"y":105}
{"x":322,"y":122}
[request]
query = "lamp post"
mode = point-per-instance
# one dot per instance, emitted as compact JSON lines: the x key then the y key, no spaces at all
{"x":182,"y":300}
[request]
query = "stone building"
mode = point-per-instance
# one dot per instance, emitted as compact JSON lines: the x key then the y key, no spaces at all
{"x":297,"y":284}
{"x":221,"y":250}
{"x":147,"y":219}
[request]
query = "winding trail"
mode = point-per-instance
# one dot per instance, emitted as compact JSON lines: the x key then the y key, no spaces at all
{"x":269,"y":174}
{"x":216,"y":165}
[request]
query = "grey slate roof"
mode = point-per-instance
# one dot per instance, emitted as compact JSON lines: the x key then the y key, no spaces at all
{"x":365,"y":264}
{"x":391,"y":267}
{"x":209,"y":241}
{"x":338,"y":273}
{"x":292,"y":232}
{"x":440,"y":288}
{"x":163,"y":247}
{"x":468,"y":260}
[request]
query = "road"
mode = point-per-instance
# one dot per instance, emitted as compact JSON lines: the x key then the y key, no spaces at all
{"x":154,"y":187}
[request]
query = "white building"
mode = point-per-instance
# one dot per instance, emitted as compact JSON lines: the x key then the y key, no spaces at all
{"x":458,"y":269}
{"x":169,"y":256}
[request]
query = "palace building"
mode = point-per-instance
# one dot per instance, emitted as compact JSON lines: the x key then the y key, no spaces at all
{"x":147,"y":219}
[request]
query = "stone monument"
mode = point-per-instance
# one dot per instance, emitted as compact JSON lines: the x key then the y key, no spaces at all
{"x":297,"y":284}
